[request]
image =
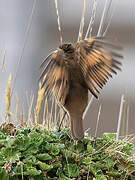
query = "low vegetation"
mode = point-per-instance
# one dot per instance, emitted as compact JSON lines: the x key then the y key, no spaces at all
{"x":34,"y":153}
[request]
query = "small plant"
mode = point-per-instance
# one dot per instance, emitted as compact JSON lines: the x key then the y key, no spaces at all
{"x":36,"y":153}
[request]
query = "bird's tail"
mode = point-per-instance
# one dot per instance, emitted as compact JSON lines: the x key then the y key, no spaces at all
{"x":77,"y":127}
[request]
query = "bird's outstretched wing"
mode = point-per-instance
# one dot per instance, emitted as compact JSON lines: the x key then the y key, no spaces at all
{"x":55,"y":75}
{"x":98,"y":59}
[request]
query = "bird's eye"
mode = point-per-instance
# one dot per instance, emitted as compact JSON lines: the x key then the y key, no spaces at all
{"x":67,"y":46}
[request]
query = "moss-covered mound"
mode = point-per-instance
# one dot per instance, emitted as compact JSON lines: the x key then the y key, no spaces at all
{"x":37,"y":154}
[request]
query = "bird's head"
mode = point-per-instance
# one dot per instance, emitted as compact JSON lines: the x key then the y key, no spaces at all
{"x":67,"y":48}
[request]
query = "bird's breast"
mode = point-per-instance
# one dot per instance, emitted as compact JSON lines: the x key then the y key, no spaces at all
{"x":77,"y":97}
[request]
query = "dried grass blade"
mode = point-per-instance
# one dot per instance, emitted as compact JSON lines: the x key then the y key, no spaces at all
{"x":8,"y":99}
{"x":120,"y":116}
{"x":98,"y":118}
{"x":82,"y":22}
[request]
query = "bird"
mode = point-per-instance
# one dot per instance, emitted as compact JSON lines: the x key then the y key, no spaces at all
{"x":72,"y":71}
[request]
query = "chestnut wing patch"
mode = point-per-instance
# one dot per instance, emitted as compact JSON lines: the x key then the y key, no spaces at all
{"x":98,"y":60}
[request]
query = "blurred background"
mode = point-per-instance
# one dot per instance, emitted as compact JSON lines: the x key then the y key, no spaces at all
{"x":44,"y":37}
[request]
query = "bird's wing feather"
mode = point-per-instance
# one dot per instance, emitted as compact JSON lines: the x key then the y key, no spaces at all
{"x":98,"y":59}
{"x":55,"y":75}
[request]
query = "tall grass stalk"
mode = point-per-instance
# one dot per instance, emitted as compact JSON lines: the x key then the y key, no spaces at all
{"x":8,"y":99}
{"x":121,"y":114}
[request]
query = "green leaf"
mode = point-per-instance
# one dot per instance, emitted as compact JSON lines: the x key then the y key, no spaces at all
{"x":87,"y":160}
{"x":128,"y":148}
{"x":6,"y":151}
{"x":45,"y":166}
{"x":2,"y":137}
{"x":22,"y":142}
{"x":31,"y":160}
{"x":13,"y":178}
{"x":3,"y":160}
{"x":48,"y":138}
{"x":17,"y":170}
{"x":55,"y":150}
{"x":72,"y":170}
{"x":110,"y":162}
{"x":44,"y":157}
{"x":47,"y":146}
{"x":100,"y":178}
{"x":25,"y":131}
{"x":31,"y":150}
{"x":61,"y":175}
{"x":95,"y":169}
{"x":2,"y":142}
{"x":37,"y":141}
{"x":80,"y":146}
{"x":33,"y":134}
{"x":16,"y":157}
{"x":113,"y":173}
{"x":108,"y":136}
{"x":89,"y":148}
{"x":40,"y":177}
{"x":10,"y":141}
{"x":3,"y":175}
{"x":68,"y":154}
{"x":32,"y":171}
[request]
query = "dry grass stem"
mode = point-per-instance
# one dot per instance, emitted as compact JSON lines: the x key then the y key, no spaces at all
{"x":8,"y":99}
{"x":23,"y":122}
{"x":92,"y":20}
{"x":41,"y":93}
{"x":82,"y":22}
{"x":97,"y":124}
{"x":3,"y":60}
{"x":58,"y":21}
{"x":103,"y":18}
{"x":120,"y":116}
{"x":30,"y":117}
{"x":17,"y":110}
{"x":124,"y":118}
{"x":45,"y":113}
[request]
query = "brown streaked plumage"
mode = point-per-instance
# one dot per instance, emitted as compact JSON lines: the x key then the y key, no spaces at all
{"x":72,"y":71}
